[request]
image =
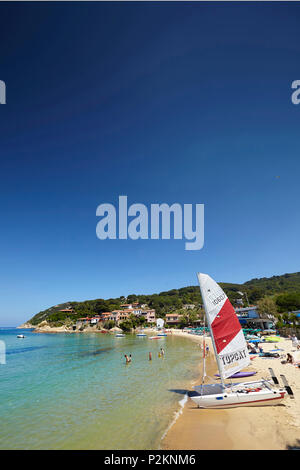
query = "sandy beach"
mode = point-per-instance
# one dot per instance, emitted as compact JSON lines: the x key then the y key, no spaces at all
{"x":244,"y":428}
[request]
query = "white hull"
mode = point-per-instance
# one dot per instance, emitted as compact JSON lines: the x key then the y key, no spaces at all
{"x":246,"y":394}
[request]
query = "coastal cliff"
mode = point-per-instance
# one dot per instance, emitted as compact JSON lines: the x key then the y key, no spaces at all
{"x":282,"y":291}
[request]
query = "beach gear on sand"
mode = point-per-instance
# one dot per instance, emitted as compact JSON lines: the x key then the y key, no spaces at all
{"x":272,"y":339}
{"x":239,"y":374}
{"x":286,"y":386}
{"x":274,"y":378}
{"x":269,"y":354}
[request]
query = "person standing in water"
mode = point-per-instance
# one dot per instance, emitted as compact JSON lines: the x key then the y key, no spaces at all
{"x":128,"y":359}
{"x":150,"y":356}
{"x":162,"y":352}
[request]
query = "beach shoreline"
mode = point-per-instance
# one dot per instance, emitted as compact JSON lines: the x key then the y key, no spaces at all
{"x":244,"y":428}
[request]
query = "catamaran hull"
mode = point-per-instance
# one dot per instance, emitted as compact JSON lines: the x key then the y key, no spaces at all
{"x":233,"y":400}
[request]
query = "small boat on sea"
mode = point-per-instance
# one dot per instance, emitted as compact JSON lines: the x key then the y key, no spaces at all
{"x":20,"y":336}
{"x":119,"y":335}
{"x":141,"y":334}
{"x":231,"y":354}
{"x":155,"y":337}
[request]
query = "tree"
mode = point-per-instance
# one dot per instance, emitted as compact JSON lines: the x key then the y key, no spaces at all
{"x":288,"y":302}
{"x":134,"y":320}
{"x":280,"y":322}
{"x":184,"y":321}
{"x":285,"y":317}
{"x":267,"y":306}
{"x":294,"y":319}
{"x":126,"y":325}
{"x":192,"y":316}
{"x":255,"y":294}
{"x":108,"y":324}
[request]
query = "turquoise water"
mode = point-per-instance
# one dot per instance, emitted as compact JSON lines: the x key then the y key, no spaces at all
{"x":74,"y":391}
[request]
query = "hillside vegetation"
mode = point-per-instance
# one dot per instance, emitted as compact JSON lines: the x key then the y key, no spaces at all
{"x":284,"y":290}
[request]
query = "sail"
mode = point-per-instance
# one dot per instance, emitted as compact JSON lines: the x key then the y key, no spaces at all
{"x":227,"y":335}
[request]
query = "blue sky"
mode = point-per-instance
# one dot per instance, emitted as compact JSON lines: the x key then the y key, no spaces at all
{"x":162,"y":102}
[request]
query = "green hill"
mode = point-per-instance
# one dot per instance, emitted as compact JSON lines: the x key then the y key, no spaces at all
{"x":285,"y":289}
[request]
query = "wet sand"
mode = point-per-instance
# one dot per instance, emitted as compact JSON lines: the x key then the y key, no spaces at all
{"x":244,"y":428}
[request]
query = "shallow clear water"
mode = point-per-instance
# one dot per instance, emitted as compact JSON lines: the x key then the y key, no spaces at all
{"x":74,"y":391}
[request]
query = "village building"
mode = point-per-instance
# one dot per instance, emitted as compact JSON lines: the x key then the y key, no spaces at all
{"x":118,"y":316}
{"x":173,"y":318}
{"x":250,"y":318}
{"x":149,"y":315}
{"x":67,"y":310}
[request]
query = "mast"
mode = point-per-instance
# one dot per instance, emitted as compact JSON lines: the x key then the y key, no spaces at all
{"x":204,"y":354}
{"x":211,"y":332}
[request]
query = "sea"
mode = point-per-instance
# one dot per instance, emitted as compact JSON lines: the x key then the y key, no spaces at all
{"x":75,"y":390}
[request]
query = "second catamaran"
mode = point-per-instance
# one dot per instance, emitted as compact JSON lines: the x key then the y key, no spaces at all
{"x":232,"y":355}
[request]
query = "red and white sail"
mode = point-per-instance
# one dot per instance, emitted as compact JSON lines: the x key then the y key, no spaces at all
{"x":227,"y":335}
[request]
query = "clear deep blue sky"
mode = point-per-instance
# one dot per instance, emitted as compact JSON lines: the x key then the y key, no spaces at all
{"x":162,"y":102}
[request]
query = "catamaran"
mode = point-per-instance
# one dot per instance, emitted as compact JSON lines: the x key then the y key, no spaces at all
{"x":232,"y":356}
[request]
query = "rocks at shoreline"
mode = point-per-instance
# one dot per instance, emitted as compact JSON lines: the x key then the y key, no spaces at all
{"x":45,"y":327}
{"x":25,"y":325}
